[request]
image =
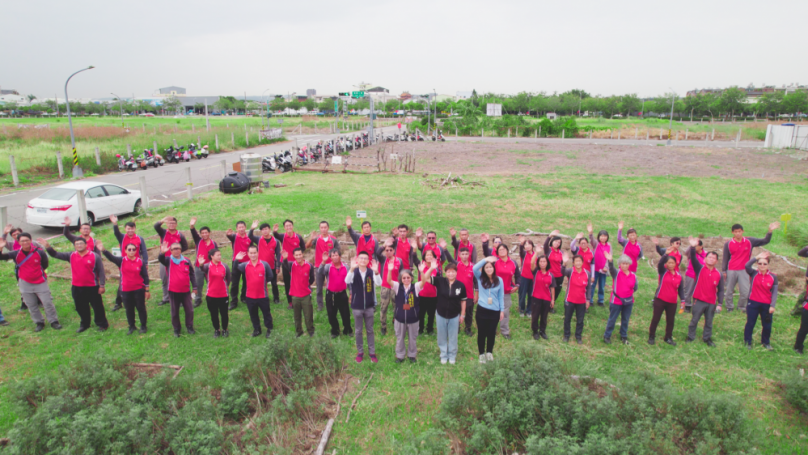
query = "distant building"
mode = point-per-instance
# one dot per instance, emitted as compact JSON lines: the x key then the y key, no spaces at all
{"x":311,"y":92}
{"x":463,"y":95}
{"x":9,"y":92}
{"x":405,"y":96}
{"x":172,"y":90}
{"x":752,"y":92}
{"x":377,"y":90}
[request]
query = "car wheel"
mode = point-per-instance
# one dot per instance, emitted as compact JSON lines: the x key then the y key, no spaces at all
{"x":138,"y":208}
{"x":90,"y":219}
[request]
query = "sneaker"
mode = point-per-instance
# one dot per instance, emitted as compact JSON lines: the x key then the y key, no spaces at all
{"x":768,"y":347}
{"x":143,"y":330}
{"x":216,"y":334}
{"x":748,"y":346}
{"x":670,"y":342}
{"x":798,"y":350}
{"x":536,"y":336}
{"x":3,"y":323}
{"x":81,"y":329}
{"x":543,"y":335}
{"x":359,"y":358}
{"x":197,"y":304}
{"x":579,"y":341}
{"x":334,"y":336}
{"x":489,"y":357}
{"x":384,"y":331}
{"x":256,"y":333}
{"x":552,"y":310}
{"x":290,"y":306}
{"x":163,"y":302}
{"x":452,"y":361}
{"x":373,"y":358}
{"x":191,"y":331}
{"x":507,"y":337}
{"x":176,"y":334}
{"x":624,"y":341}
{"x":689,"y":340}
{"x":688,"y":309}
{"x":232,"y":306}
{"x":482,"y":358}
{"x":651,"y":341}
{"x":56,"y":325}
{"x":116,"y":307}
{"x":412,"y":359}
{"x":709,"y":342}
{"x":522,"y":314}
{"x":131,"y":330}
{"x":102,"y":329}
{"x":430,"y":332}
{"x":320,"y":308}
{"x":443,"y":361}
{"x":607,"y":340}
{"x":399,"y":360}
{"x":269,"y":332}
{"x":225,"y":334}
{"x":600,"y":303}
{"x":468,"y":332}
{"x":39,"y":327}
{"x":566,"y":339}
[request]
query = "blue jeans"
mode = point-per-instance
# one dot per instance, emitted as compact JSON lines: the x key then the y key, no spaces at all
{"x":1,"y":316}
{"x":447,"y":336}
{"x":753,"y":309}
{"x":624,"y":311}
{"x":525,"y":289}
{"x":600,"y":283}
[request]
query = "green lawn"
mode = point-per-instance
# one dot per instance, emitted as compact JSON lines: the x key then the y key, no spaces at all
{"x":402,"y":399}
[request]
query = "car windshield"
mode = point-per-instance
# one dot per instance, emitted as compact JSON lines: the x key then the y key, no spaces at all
{"x":58,"y":194}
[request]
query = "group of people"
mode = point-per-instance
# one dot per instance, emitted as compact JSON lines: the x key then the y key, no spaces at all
{"x":443,"y":297}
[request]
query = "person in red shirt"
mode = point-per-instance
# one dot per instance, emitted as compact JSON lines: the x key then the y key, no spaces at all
{"x":670,"y":289}
{"x":218,"y":276}
{"x":87,"y":282}
{"x":486,"y":250}
{"x":526,"y":253}
{"x":465,"y":274}
{"x":552,"y":249}
{"x":14,"y":245}
{"x":542,"y":294}
{"x":269,"y":251}
{"x":323,"y":243}
{"x":180,"y":278}
{"x":241,"y":243}
{"x":134,"y":283}
{"x":30,"y":265}
{"x":631,"y":247}
{"x":432,"y":243}
{"x":84,"y":233}
{"x":799,"y":343}
{"x":621,"y":301}
{"x":463,"y":243}
{"x":672,"y":251}
{"x":762,"y":299}
{"x":204,"y":245}
{"x":707,"y":294}
{"x":129,"y":237}
{"x":737,"y":252}
{"x":575,"y":299}
{"x":405,"y":248}
{"x":507,"y":270}
{"x":290,"y":240}
{"x":301,"y":276}
{"x":428,"y":297}
{"x":336,"y":294}
{"x":690,"y":278}
{"x":364,"y":241}
{"x":580,"y":246}
{"x":170,"y":235}
{"x":257,"y":274}
{"x":388,"y":255}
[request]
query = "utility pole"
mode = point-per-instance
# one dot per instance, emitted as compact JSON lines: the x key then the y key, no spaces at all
{"x":77,"y":172}
{"x":670,"y":125}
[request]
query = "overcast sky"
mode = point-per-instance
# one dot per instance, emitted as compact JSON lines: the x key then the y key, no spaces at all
{"x":504,"y":46}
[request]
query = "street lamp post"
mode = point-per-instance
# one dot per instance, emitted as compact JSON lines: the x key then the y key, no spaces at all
{"x":77,"y":172}
{"x":267,"y":109}
{"x":120,"y":103}
{"x":670,"y":125}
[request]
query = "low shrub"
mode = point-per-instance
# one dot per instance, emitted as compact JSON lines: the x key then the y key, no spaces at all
{"x":795,"y":387}
{"x":529,"y":403}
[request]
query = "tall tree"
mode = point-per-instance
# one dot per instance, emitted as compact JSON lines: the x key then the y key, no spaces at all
{"x":733,"y":100}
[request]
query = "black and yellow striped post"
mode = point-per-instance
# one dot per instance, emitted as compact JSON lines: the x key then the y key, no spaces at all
{"x":75,"y":157}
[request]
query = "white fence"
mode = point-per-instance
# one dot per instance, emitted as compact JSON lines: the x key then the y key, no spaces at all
{"x":780,"y":137}
{"x":272,"y":133}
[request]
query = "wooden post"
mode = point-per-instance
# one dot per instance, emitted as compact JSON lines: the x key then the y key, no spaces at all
{"x":539,"y":132}
{"x":536,"y":133}
{"x":619,"y":133}
{"x":687,"y":131}
{"x":97,"y":157}
{"x":647,"y":135}
{"x":61,"y":166}
{"x":144,"y":195}
{"x":636,"y":132}
{"x":129,"y":149}
{"x":712,"y":137}
{"x":233,"y":139}
{"x":190,"y":184}
{"x":82,"y":206}
{"x":562,"y":135}
{"x":217,"y":142}
{"x":154,"y":145}
{"x":198,"y":143}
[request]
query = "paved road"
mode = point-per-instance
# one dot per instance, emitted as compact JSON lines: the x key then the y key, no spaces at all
{"x":164,"y":184}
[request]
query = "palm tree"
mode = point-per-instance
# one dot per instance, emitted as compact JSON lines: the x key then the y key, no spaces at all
{"x":31,"y":97}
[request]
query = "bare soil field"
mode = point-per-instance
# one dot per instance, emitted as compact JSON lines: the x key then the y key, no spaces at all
{"x":487,"y":158}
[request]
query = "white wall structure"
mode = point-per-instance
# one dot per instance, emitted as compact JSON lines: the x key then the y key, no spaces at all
{"x":783,"y":136}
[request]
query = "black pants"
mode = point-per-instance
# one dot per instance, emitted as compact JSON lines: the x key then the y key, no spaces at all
{"x":275,"y":290}
{"x":287,"y":286}
{"x":803,"y":330}
{"x":237,"y":277}
{"x":119,"y":296}
{"x":469,"y":313}
{"x":428,"y":307}
{"x":218,"y":308}
{"x":580,"y":311}
{"x":539,"y":312}
{"x":86,"y":297}
{"x":558,"y":283}
{"x":337,"y":302}
{"x":487,"y":322}
{"x":670,"y":315}
{"x":135,"y":300}
{"x":253,"y":305}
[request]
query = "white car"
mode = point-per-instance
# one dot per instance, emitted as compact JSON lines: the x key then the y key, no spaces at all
{"x":103,"y":200}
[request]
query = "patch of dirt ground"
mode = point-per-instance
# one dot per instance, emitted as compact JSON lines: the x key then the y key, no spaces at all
{"x":490,"y":158}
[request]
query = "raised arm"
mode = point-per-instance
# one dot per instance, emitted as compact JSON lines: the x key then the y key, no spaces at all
{"x":748,"y":267}
{"x":765,"y":240}
{"x":99,"y":270}
{"x":725,"y":257}
{"x":661,"y":264}
{"x":66,"y":231}
{"x":774,"y":290}
{"x":620,"y":239}
{"x":117,"y":232}
{"x":158,"y":227}
{"x":113,"y":259}
{"x":183,"y":243}
{"x":55,"y":254}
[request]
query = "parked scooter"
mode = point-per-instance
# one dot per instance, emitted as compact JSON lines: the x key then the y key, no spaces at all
{"x":269,"y":164}
{"x":285,"y":161}
{"x":201,"y":153}
{"x":125,"y":164}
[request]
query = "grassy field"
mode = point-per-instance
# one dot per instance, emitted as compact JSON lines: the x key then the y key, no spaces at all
{"x":402,"y":399}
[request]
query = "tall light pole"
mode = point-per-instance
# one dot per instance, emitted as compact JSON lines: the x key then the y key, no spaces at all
{"x":267,"y":108}
{"x":76,"y":169}
{"x":120,"y":103}
{"x":670,"y":125}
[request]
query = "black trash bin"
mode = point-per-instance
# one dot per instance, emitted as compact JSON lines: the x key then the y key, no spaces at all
{"x":234,"y":182}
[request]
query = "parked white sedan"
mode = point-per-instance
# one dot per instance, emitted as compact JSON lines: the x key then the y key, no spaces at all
{"x":103,"y":200}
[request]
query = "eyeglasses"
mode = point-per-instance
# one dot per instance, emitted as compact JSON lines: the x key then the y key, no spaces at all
{"x":131,"y":249}
{"x":389,"y":250}
{"x":175,"y":249}
{"x":763,"y":263}
{"x":431,"y":238}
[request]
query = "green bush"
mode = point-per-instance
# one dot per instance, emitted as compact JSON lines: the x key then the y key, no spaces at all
{"x":797,"y":235}
{"x":529,"y":403}
{"x":796,"y":390}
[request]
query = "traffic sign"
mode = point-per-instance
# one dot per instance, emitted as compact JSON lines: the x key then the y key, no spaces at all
{"x":361,"y":214}
{"x":344,"y":93}
{"x":360,"y":94}
{"x":280,"y":120}
{"x":336,"y":106}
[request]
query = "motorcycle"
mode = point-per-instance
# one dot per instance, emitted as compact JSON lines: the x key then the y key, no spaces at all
{"x":269,"y":164}
{"x":201,"y":153}
{"x":285,"y":161}
{"x":126,"y":164}
{"x":170,"y":154}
